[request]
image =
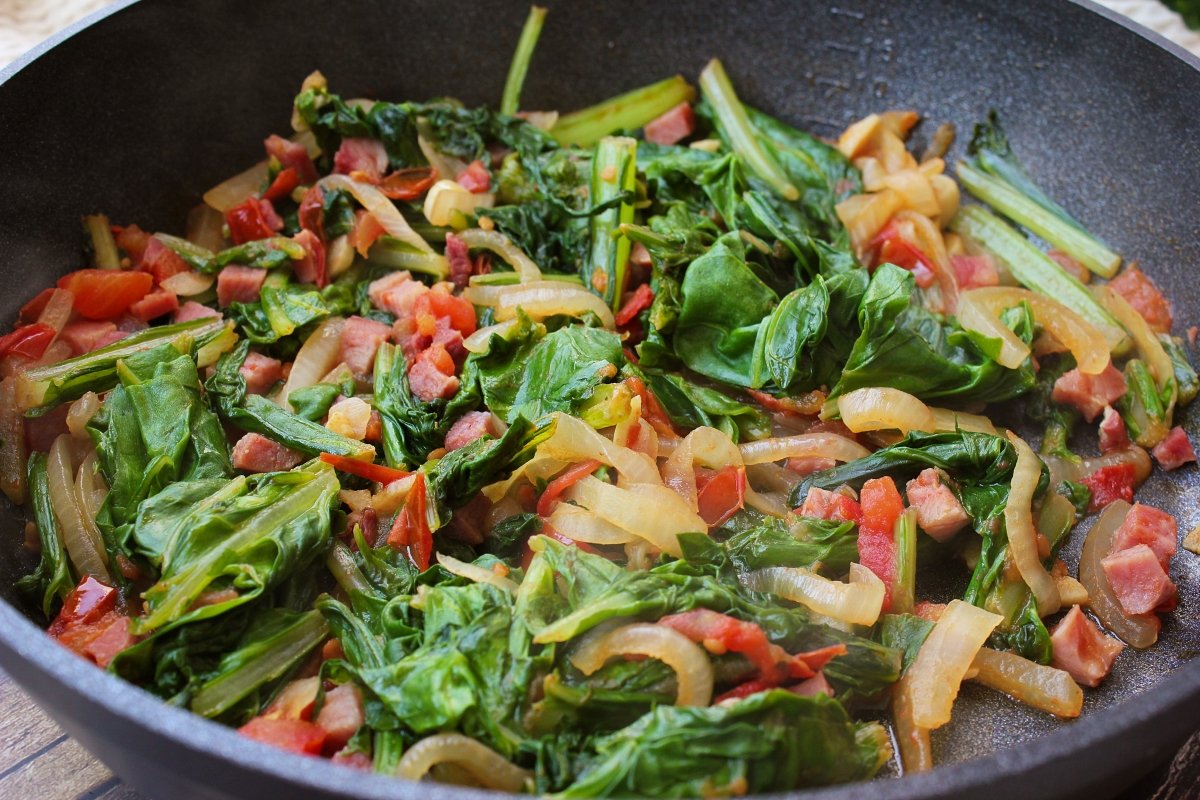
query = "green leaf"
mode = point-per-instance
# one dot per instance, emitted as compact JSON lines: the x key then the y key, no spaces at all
{"x":50,"y":582}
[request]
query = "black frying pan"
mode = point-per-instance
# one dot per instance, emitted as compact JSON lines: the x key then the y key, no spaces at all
{"x":139,"y":112}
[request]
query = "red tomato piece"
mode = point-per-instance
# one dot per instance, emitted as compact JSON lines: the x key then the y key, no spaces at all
{"x":87,"y":603}
{"x":311,"y":213}
{"x":652,"y":410}
{"x":408,"y":184}
{"x":249,"y":221}
{"x":285,"y":181}
{"x":296,"y":735}
{"x":105,"y":293}
{"x":570,"y":477}
{"x":34,"y":308}
{"x":881,"y":507}
{"x":721,"y":494}
{"x":364,"y":469}
{"x":29,"y":341}
{"x":460,"y":312}
{"x":1114,"y":482}
{"x":638,"y":302}
{"x":411,"y":528}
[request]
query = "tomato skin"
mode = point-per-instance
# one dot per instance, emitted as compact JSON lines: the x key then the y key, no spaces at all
{"x":295,"y":735}
{"x":652,"y":410}
{"x":87,"y":603}
{"x":29,"y":341}
{"x":566,"y":480}
{"x":248,"y":221}
{"x":881,"y":507}
{"x":364,"y":469}
{"x":411,"y":528}
{"x":102,"y":294}
{"x":408,"y":184}
{"x":34,"y":308}
{"x":638,"y":302}
{"x":436,"y":304}
{"x":284,"y":183}
{"x":721,"y":494}
{"x":311,"y":213}
{"x":1114,"y":482}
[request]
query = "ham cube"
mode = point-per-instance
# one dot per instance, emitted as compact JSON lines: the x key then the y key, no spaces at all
{"x":1089,"y":393}
{"x":396,"y":293}
{"x":292,"y":154}
{"x":468,"y":428}
{"x":1146,"y":299}
{"x":261,"y":372}
{"x":1113,"y":435}
{"x":429,"y":380}
{"x":192,"y":310}
{"x":238,"y":284}
{"x":1138,"y":580}
{"x":672,"y":126}
{"x":158,"y":303}
{"x":1082,"y":650}
{"x":341,"y":715}
{"x":824,"y":504}
{"x":1147,"y":525}
{"x":459,"y":259}
{"x":973,"y":272}
{"x":161,"y":261}
{"x":361,"y":155}
{"x":311,"y":268}
{"x":84,"y":336}
{"x":361,"y":338}
{"x":938,"y":511}
{"x":256,"y":453}
{"x":1175,"y":450}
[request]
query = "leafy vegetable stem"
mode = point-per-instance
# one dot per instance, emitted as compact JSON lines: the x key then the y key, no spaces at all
{"x":614,"y":173}
{"x":520,"y":64}
{"x":625,"y":112}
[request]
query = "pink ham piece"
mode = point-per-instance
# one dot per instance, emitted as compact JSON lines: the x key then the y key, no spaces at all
{"x":443,"y":334}
{"x":1145,"y":297}
{"x":1138,"y":580}
{"x":938,"y":511}
{"x":468,"y":428}
{"x":430,"y":383}
{"x":395,"y":293}
{"x":1113,"y":435}
{"x":671,"y":127}
{"x":813,"y":686}
{"x":84,"y":336}
{"x":311,"y":268}
{"x":261,"y":372}
{"x":1146,"y":525}
{"x":1175,"y":450}
{"x":361,"y":155}
{"x":1082,"y":650}
{"x":807,"y":465}
{"x":291,"y":154}
{"x":459,"y":258}
{"x":158,"y":303}
{"x":256,"y":453}
{"x":475,"y":178}
{"x":1089,"y":393}
{"x":192,"y":310}
{"x":341,"y":715}
{"x":973,"y":272}
{"x":361,"y":338}
{"x":238,"y":284}
{"x":824,"y":504}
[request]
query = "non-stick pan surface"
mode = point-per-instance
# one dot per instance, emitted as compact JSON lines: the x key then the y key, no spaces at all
{"x":138,"y":113}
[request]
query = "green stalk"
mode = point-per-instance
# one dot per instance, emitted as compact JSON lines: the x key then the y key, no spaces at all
{"x":513,"y":278}
{"x":904,"y":591}
{"x":1034,"y":269}
{"x":624,"y":112}
{"x":614,"y":173}
{"x":393,"y":253}
{"x":520,"y":63}
{"x":740,"y":132}
{"x":1146,"y":416}
{"x":1006,"y":199}
{"x":104,"y":247}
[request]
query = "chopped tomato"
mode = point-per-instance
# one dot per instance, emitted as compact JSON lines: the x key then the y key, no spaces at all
{"x":435,"y":304}
{"x":29,"y":341}
{"x":411,"y":529}
{"x":638,"y":302}
{"x":286,"y":181}
{"x":408,"y":184}
{"x":364,"y":469}
{"x":311,"y":213}
{"x":89,"y":623}
{"x":806,"y":405}
{"x":563,"y":482}
{"x":752,"y":686}
{"x":721,"y":494}
{"x":1114,"y":482}
{"x":881,"y":507}
{"x":652,"y":411}
{"x":249,"y":221}
{"x":87,"y":602}
{"x":895,"y":249}
{"x":296,"y":735}
{"x":105,"y":293}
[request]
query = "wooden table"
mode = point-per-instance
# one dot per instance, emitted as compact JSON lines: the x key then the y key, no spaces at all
{"x":38,"y":760}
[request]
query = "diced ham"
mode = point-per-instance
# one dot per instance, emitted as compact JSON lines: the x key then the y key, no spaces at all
{"x":238,"y":284}
{"x":367,"y":156}
{"x":1082,"y":650}
{"x":311,"y":268}
{"x":1147,"y":525}
{"x":261,"y":372}
{"x":1145,"y":297}
{"x":430,"y":383}
{"x":939,"y":513}
{"x":158,"y":303}
{"x":161,"y":261}
{"x":1089,"y":393}
{"x":361,"y":338}
{"x":291,"y":154}
{"x":974,"y":271}
{"x":459,"y":258}
{"x":134,"y":241}
{"x":443,"y":334}
{"x":468,"y":428}
{"x":341,"y":715}
{"x":1109,"y":483}
{"x":110,"y":338}
{"x":672,"y":126}
{"x":1175,"y":450}
{"x":1076,"y":270}
{"x":396,"y":293}
{"x":475,"y":178}
{"x":256,"y":453}
{"x":1113,"y":435}
{"x":192,"y":310}
{"x":354,"y":759}
{"x":1138,"y":579}
{"x":807,"y":465}
{"x":84,"y":336}
{"x":813,"y":686}
{"x":825,"y":504}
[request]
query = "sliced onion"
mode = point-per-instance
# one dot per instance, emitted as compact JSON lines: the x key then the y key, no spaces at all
{"x":318,"y":355}
{"x":12,"y":443}
{"x":492,"y":770}
{"x":90,"y":487}
{"x":538,"y":468}
{"x":1144,"y":339}
{"x":1022,"y":536}
{"x":446,"y":166}
{"x":584,"y":526}
{"x":1089,"y":344}
{"x":81,"y":537}
{"x":540,"y":299}
{"x":858,"y":602}
{"x":57,"y":312}
{"x":204,"y":224}
{"x":350,"y":417}
{"x":1139,"y":631}
{"x":693,"y":669}
{"x":948,"y":420}
{"x":706,"y":447}
{"x":805,"y":445}
{"x":188,"y":284}
{"x":392,"y":496}
{"x":916,"y":750}
{"x":235,"y":190}
{"x":864,"y":215}
{"x":574,"y":440}
{"x":882,"y":408}
{"x":1044,"y":688}
{"x":979,"y":318}
{"x":474,"y":572}
{"x":502,"y":246}
{"x":935,"y":675}
{"x":80,"y":414}
{"x":478,"y":341}
{"x":929,"y":241}
{"x":355,"y":499}
{"x":340,"y":256}
{"x":650,"y":511}
{"x":380,"y":207}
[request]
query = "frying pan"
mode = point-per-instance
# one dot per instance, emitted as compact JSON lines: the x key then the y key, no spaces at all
{"x":138,"y":110}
